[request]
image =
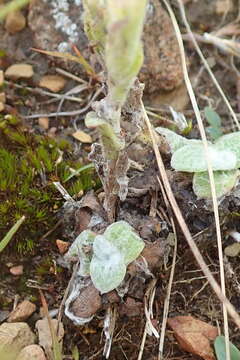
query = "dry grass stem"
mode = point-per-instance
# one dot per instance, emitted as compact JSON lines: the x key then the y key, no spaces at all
{"x":204,"y":139}
{"x":185,"y":230}
{"x":170,"y":282}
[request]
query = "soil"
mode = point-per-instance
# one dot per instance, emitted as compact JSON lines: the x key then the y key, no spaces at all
{"x":144,"y":208}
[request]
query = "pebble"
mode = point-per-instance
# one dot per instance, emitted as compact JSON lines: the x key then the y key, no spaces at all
{"x":223,"y":6}
{"x":31,"y":352}
{"x":18,"y":71}
{"x":22,"y":312}
{"x":16,"y":270}
{"x":43,"y":123}
{"x":44,"y":334}
{"x":1,"y":106}
{"x":15,"y":22}
{"x":82,"y":137}
{"x":54,"y":83}
{"x":16,"y":335}
{"x":62,"y":246}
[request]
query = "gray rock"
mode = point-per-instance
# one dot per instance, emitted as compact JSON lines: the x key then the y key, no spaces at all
{"x":15,"y":336}
{"x":31,"y":352}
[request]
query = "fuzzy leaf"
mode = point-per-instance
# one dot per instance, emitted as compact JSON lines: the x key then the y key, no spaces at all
{"x":107,"y":267}
{"x":124,"y":30}
{"x":220,"y":349}
{"x":112,"y":143}
{"x":81,"y":247}
{"x":230,"y":142}
{"x":174,"y":140}
{"x":224,"y":182}
{"x":123,"y":237}
{"x":214,"y":132}
{"x":191,"y":158}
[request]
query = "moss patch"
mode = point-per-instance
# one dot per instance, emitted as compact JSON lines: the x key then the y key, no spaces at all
{"x":29,"y":164}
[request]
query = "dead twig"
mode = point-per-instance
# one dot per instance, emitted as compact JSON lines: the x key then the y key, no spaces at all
{"x":68,"y":113}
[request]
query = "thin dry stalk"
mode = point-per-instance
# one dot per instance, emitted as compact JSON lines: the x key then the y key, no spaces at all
{"x":68,"y":113}
{"x":209,"y":165}
{"x":230,"y":308}
{"x":170,"y":282}
{"x":148,"y":305}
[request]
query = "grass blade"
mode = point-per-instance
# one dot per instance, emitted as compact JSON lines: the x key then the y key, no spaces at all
{"x":4,"y":242}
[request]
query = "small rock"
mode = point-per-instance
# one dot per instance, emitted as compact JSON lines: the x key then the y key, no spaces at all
{"x":16,"y":270}
{"x":15,"y":22}
{"x":88,"y":303}
{"x":162,"y":68}
{"x":2,"y":97}
{"x":223,"y":6}
{"x":18,"y":71}
{"x":1,"y":106}
{"x":44,"y":335}
{"x":43,"y":122}
{"x":54,"y":83}
{"x":52,"y":132}
{"x":1,"y":77}
{"x":82,"y":137}
{"x":232,"y":250}
{"x":22,"y":312}
{"x":62,"y":246}
{"x":31,"y":352}
{"x":16,"y":335}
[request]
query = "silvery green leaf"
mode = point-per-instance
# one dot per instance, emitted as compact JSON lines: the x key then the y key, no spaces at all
{"x":125,"y":21}
{"x":212,"y":117}
{"x":174,"y":140}
{"x":230,"y":142}
{"x":107,"y":268}
{"x":220,"y":349}
{"x":82,"y":248}
{"x":124,"y":238}
{"x":224,"y":182}
{"x":192,"y":158}
{"x":92,"y":120}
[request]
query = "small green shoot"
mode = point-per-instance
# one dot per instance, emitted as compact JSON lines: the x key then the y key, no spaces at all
{"x":214,"y":120}
{"x":75,"y":353}
{"x":4,"y":242}
{"x":115,"y":28}
{"x":220,"y":349}
{"x":105,"y":257}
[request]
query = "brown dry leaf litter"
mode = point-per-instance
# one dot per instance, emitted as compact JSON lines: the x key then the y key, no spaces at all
{"x":194,"y":335}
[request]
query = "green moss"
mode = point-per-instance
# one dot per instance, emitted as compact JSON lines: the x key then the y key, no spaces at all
{"x":28,"y":166}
